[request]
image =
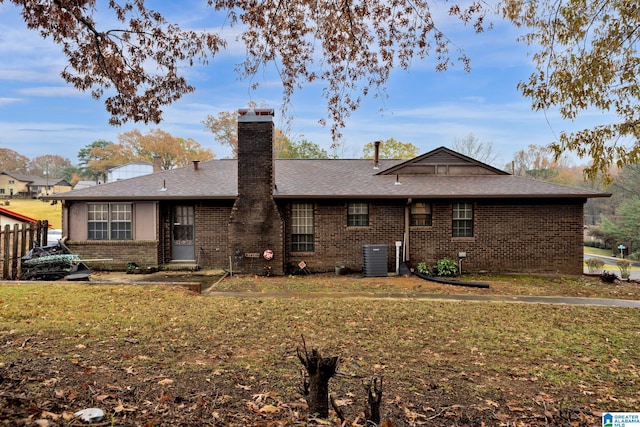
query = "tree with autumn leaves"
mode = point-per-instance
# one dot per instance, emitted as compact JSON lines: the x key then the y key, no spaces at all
{"x":585,"y":54}
{"x":586,"y":57}
{"x":224,"y":127}
{"x":136,"y":146}
{"x":51,"y":165}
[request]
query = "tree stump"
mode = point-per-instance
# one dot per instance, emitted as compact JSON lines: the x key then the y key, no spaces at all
{"x":374,"y":399}
{"x":316,"y":388}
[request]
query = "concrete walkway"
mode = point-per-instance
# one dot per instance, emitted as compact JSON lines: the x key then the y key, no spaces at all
{"x":604,"y":302}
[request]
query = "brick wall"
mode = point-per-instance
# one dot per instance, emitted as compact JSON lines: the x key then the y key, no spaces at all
{"x":518,"y":236}
{"x":337,"y":244}
{"x":212,"y":234}
{"x":142,"y":252}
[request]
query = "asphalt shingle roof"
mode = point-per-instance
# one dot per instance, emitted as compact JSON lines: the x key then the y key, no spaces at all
{"x":322,"y":178}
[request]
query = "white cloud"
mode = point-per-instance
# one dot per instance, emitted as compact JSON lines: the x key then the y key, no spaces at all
{"x":51,"y":91}
{"x":4,"y":102}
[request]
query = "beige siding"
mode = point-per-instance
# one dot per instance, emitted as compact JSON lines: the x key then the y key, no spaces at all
{"x":77,"y":221}
{"x":9,"y":183}
{"x":145,"y":221}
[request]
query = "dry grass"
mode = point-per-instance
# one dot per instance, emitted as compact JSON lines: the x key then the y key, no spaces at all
{"x":499,"y":360}
{"x":38,"y":209}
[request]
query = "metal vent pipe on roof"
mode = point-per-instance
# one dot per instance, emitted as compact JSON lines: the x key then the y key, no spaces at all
{"x":195,"y":164}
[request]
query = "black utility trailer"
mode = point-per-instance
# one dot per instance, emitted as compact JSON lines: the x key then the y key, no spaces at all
{"x":53,"y":262}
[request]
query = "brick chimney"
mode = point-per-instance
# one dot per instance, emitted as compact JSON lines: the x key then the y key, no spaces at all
{"x":256,"y":227}
{"x":157,"y":164}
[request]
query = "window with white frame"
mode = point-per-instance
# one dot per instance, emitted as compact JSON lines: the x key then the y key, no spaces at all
{"x":109,"y":221}
{"x":357,"y":214}
{"x":420,"y":214}
{"x":462,"y":219}
{"x":302,"y":233}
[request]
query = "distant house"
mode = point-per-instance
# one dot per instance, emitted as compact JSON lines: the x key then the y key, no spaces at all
{"x":258,"y":213}
{"x":11,"y":218}
{"x":30,"y":186}
{"x":129,"y":170}
{"x":84,"y":184}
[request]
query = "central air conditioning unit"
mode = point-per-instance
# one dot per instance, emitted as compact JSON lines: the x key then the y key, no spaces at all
{"x":374,"y":260}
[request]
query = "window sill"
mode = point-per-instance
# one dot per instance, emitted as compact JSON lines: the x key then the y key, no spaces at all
{"x":301,"y":254}
{"x":420,"y":227}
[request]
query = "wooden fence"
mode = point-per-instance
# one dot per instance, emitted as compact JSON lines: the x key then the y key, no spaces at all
{"x":15,"y":242}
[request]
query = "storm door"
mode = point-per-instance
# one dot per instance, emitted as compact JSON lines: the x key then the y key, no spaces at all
{"x":183,"y":234}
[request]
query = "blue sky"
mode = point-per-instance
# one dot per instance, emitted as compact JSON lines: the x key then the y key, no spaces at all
{"x":40,"y":114}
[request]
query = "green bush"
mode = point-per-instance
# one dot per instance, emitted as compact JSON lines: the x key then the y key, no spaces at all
{"x":446,"y":267}
{"x":423,"y":268}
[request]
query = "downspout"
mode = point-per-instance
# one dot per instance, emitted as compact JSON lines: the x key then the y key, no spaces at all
{"x":406,"y":246}
{"x":65,"y":218}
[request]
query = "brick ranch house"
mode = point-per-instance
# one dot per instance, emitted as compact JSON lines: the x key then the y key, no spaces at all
{"x":257,"y":212}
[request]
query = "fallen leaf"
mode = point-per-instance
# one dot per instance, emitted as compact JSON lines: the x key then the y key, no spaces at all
{"x":47,"y":414}
{"x":343,"y":402}
{"x":492,"y":403}
{"x":72,"y":395}
{"x":269,"y":409}
{"x":50,"y":381}
{"x":322,"y":421}
{"x":262,"y":397}
{"x":165,"y":381}
{"x":165,"y":397}
{"x":514,"y":408}
{"x":121,"y":408}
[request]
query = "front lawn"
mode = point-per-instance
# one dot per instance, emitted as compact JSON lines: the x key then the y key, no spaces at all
{"x":156,"y":355}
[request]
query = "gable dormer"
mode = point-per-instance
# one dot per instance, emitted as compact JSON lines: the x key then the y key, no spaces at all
{"x":442,"y":162}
